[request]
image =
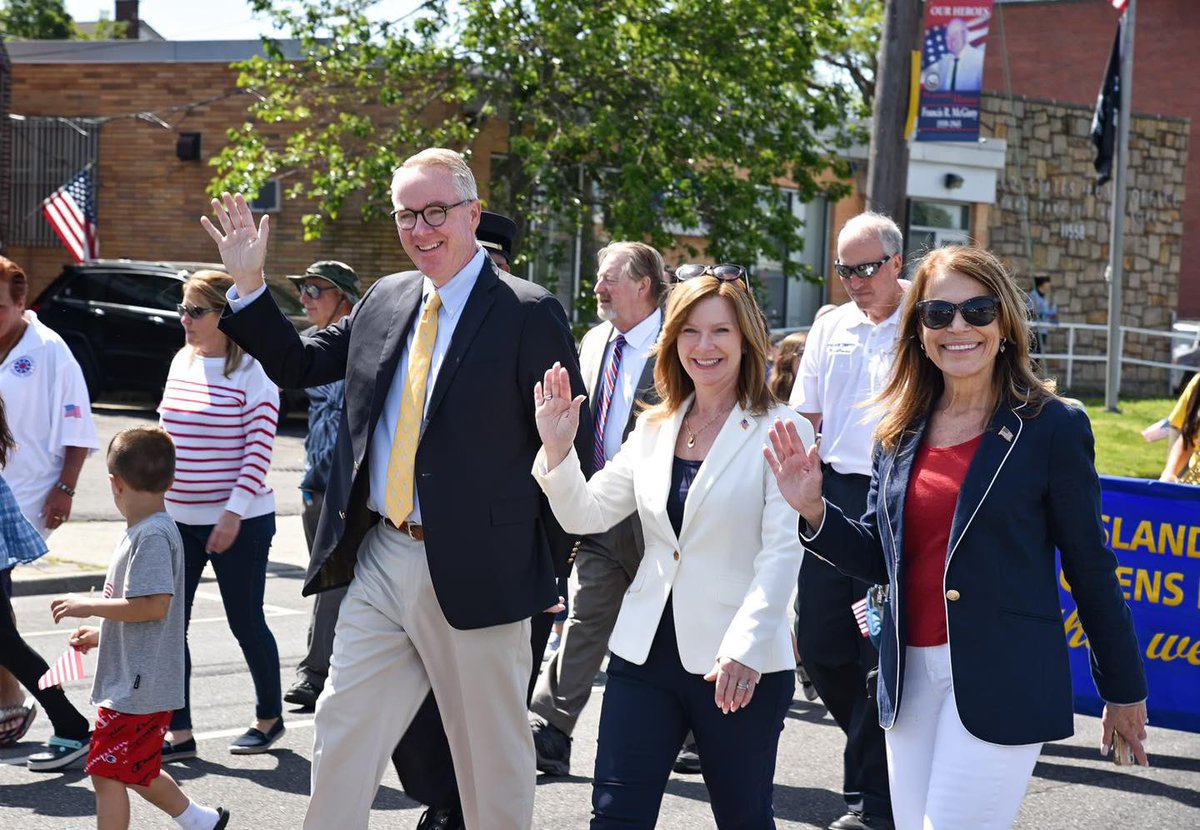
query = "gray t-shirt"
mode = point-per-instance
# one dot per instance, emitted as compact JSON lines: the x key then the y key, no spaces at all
{"x":140,"y":668}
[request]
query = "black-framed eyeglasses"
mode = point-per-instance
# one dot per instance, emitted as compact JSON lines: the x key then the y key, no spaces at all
{"x":866,"y":270}
{"x":434,"y":215}
{"x":314,"y":291}
{"x":195,"y":311}
{"x":977,"y":311}
{"x":725,"y":273}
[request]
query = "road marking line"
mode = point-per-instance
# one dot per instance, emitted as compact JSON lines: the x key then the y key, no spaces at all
{"x":270,"y":609}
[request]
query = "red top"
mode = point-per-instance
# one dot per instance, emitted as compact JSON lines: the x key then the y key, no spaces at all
{"x":937,"y":476}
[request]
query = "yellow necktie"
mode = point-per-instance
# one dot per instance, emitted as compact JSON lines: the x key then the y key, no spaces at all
{"x":399,"y":499}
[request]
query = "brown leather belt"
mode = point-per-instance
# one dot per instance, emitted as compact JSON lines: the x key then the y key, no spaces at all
{"x":415,"y":532}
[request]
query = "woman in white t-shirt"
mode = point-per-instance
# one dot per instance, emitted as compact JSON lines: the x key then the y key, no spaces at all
{"x":221,"y":410}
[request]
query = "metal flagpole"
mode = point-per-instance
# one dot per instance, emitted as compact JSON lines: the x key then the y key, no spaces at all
{"x":1116,"y":244}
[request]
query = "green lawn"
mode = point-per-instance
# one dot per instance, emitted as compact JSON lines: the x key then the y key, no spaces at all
{"x":1120,"y":448}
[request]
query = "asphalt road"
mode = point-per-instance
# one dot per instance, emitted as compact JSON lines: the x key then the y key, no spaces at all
{"x":1072,"y":787}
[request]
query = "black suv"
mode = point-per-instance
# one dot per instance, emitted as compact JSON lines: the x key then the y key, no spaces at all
{"x":119,"y":318}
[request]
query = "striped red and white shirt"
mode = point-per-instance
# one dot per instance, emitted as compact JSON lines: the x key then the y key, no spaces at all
{"x":224,"y":432}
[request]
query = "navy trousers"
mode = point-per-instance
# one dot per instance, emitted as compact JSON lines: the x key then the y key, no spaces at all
{"x":242,"y":576}
{"x":838,"y":658}
{"x":648,"y":710}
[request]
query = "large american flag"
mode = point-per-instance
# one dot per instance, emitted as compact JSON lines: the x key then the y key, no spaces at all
{"x":71,"y":211}
{"x":935,"y":37}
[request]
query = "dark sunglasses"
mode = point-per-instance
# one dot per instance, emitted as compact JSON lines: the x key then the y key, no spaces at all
{"x":977,"y":311}
{"x":195,"y":311}
{"x":434,"y":215}
{"x":314,"y":291}
{"x":724,"y":273}
{"x":864,"y":270}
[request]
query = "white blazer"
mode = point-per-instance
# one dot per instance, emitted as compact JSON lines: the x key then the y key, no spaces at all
{"x":733,"y":566}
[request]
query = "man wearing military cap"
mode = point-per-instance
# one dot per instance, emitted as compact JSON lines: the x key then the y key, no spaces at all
{"x":497,"y":233}
{"x":328,"y":290}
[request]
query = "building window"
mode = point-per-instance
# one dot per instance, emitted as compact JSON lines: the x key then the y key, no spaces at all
{"x":934,"y":224}
{"x":792,"y":303}
{"x":46,"y":154}
{"x":268,"y":198}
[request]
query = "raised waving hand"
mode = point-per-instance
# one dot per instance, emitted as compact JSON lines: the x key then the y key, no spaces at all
{"x":557,"y":413}
{"x":243,"y":247}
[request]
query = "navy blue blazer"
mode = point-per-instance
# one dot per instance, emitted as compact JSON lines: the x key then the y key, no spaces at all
{"x":1031,"y":487}
{"x":492,"y":542}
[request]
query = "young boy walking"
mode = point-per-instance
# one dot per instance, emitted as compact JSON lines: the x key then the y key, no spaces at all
{"x":139,"y":676}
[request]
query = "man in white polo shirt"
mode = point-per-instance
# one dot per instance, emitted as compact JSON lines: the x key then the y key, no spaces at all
{"x":846,"y":362}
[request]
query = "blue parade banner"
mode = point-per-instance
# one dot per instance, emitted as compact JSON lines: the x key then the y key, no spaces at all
{"x":1154,"y":530}
{"x":952,"y":69}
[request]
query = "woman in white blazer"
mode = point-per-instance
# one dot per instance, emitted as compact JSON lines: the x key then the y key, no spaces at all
{"x":702,"y":640}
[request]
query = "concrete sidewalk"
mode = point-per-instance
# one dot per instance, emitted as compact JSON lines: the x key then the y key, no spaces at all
{"x":81,"y":551}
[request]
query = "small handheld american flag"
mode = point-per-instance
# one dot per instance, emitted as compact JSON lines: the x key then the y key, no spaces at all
{"x":860,"y":615}
{"x":67,"y":667}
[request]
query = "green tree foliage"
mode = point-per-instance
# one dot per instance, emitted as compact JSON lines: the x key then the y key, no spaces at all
{"x":36,"y":20}
{"x":854,"y":57}
{"x":648,"y":116}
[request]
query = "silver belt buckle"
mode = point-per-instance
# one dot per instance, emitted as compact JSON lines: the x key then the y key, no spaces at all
{"x":412,"y":531}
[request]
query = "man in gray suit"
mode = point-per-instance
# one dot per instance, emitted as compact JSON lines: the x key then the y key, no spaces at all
{"x":618,"y":371}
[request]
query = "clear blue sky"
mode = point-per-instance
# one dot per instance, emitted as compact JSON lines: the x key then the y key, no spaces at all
{"x":207,"y":20}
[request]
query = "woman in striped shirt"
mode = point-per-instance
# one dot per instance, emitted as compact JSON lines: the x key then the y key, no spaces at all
{"x":221,"y":410}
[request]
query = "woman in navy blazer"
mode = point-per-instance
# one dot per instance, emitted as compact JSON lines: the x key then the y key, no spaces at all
{"x":980,"y":473}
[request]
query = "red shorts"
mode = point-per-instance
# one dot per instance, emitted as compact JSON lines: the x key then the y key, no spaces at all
{"x":127,"y":748}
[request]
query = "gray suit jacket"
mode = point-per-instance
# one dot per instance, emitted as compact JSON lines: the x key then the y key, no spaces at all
{"x":625,"y":541}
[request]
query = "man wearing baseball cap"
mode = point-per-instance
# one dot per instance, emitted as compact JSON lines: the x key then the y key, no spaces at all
{"x":328,"y":290}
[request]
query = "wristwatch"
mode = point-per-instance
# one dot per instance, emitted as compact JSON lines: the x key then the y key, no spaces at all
{"x":70,"y":491}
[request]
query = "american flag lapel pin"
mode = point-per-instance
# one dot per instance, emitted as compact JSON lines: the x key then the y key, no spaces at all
{"x":1006,"y":434}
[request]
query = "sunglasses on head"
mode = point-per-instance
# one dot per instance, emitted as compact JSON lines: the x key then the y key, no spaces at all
{"x":977,"y":311}
{"x":724,"y":273}
{"x":195,"y":311}
{"x":863,"y":269}
{"x":314,"y":291}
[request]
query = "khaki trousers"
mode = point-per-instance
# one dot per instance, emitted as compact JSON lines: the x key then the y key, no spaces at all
{"x":392,"y":645}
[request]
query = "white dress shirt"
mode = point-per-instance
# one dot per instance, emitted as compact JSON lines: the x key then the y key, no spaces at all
{"x":454,"y":296}
{"x":639,"y":340}
{"x":847,"y":361}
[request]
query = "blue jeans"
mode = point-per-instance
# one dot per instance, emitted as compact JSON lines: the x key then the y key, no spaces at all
{"x":242,"y":576}
{"x":648,"y":709}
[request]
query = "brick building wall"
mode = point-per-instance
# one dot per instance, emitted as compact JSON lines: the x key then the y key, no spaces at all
{"x":149,"y":202}
{"x":1051,"y":219}
{"x":1059,"y":49}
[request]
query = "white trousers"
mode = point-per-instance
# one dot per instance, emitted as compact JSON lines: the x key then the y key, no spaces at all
{"x":942,"y":777}
{"x":392,"y":644}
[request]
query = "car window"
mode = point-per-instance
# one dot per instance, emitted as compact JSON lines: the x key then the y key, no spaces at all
{"x":286,"y":297}
{"x":145,"y":290}
{"x":87,"y":286}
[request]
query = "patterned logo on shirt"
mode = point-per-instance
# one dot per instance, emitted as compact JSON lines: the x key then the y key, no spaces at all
{"x":23,"y":366}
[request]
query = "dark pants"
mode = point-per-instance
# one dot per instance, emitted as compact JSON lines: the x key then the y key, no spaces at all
{"x":27,"y":666}
{"x":242,"y":577}
{"x":838,"y":658}
{"x":314,"y":667}
{"x":648,"y":710}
